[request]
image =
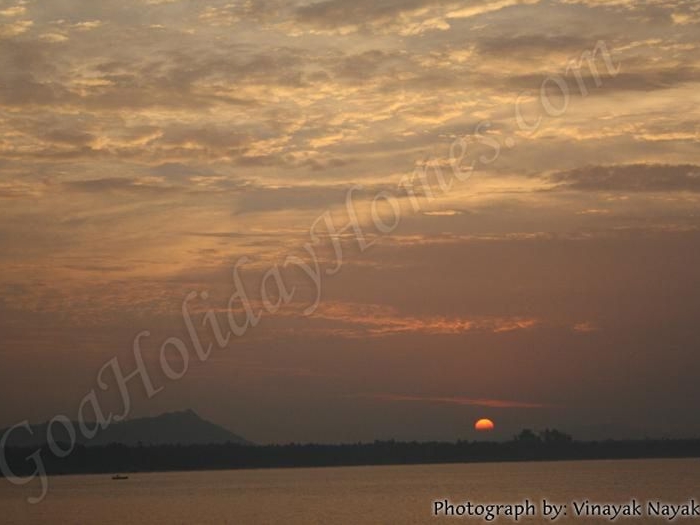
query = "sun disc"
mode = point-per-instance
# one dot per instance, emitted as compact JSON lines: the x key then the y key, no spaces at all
{"x":484,"y":425}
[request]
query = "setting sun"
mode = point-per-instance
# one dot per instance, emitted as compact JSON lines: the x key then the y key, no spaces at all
{"x":484,"y":425}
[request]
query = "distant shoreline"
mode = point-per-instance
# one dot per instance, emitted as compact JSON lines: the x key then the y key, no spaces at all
{"x":124,"y":459}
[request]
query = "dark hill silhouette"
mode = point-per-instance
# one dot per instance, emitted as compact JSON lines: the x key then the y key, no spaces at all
{"x":174,"y":428}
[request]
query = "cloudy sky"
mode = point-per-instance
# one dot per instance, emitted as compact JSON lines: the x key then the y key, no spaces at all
{"x":147,"y":145}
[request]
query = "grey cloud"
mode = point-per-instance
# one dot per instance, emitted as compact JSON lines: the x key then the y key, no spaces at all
{"x":233,"y":235}
{"x":370,"y":15}
{"x":649,"y":80}
{"x":116,"y":185}
{"x":180,"y":172}
{"x":232,"y":13}
{"x":22,"y":89}
{"x":69,"y":136}
{"x":326,"y":164}
{"x":212,"y":137}
{"x":261,"y":199}
{"x":533,"y":45}
{"x":172,"y":76}
{"x":631,"y":178}
{"x":18,"y":190}
{"x":364,"y":65}
{"x":97,"y":268}
{"x":341,"y":12}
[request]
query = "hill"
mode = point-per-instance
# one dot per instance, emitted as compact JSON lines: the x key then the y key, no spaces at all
{"x":174,"y":428}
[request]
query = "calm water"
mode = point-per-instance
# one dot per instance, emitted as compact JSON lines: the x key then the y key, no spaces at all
{"x":357,"y":495}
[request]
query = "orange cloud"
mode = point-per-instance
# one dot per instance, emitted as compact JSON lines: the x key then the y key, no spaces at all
{"x":585,"y":327}
{"x":454,"y":400}
{"x":377,"y":320}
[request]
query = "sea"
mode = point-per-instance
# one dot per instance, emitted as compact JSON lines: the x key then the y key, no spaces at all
{"x":410,"y":494}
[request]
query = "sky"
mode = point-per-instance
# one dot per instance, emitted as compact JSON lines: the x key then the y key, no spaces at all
{"x":150,"y":147}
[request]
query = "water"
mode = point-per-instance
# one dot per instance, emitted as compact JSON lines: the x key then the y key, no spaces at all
{"x":355,"y":495}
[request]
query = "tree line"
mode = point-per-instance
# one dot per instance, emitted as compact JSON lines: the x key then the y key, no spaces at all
{"x":548,"y":445}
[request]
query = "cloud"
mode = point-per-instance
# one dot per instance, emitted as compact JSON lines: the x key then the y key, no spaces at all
{"x":532,"y":45}
{"x":339,"y":13}
{"x":231,"y":13}
{"x":88,"y":25}
{"x":659,"y":78}
{"x":443,"y":213}
{"x":371,"y":320}
{"x":257,"y":198}
{"x":15,"y":28}
{"x":480,"y":8}
{"x":117,"y":185}
{"x":631,"y":178}
{"x":20,"y":189}
{"x":53,"y":37}
{"x":404,"y":17}
{"x":585,"y":327}
{"x":453,"y":400}
{"x":17,"y":10}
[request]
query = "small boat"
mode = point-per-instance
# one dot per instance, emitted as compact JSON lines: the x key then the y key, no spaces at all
{"x":119,"y":477}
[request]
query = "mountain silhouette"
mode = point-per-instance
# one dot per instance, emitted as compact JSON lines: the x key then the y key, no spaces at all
{"x":173,"y":428}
